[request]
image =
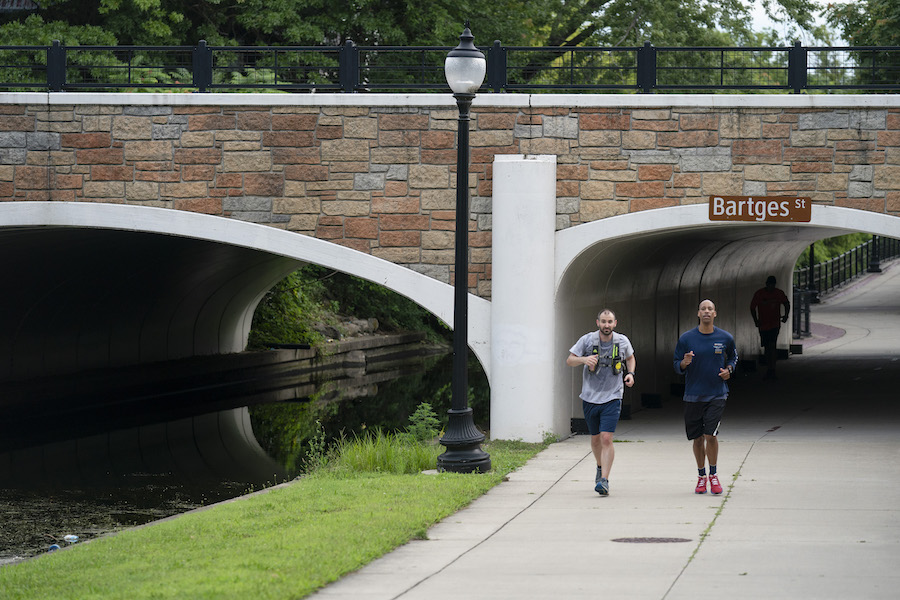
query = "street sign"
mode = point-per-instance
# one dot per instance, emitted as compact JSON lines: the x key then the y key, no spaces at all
{"x":769,"y":209}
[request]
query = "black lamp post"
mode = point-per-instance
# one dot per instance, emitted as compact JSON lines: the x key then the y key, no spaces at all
{"x":464,"y":68}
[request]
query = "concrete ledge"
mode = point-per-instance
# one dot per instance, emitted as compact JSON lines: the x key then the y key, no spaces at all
{"x":439,"y":100}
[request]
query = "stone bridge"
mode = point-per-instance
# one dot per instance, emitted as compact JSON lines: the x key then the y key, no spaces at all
{"x":359,"y":182}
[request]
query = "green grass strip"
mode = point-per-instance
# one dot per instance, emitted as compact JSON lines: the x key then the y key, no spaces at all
{"x":282,"y":544}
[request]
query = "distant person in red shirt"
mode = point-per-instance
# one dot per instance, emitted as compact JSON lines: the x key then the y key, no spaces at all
{"x":766,"y":310}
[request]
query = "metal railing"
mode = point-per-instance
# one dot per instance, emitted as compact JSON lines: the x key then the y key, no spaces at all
{"x":812,"y":281}
{"x":829,"y":275}
{"x":352,"y":68}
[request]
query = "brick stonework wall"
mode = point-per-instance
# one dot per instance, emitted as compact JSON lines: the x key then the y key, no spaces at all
{"x":380,"y":179}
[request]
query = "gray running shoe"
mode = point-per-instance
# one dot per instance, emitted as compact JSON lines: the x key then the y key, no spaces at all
{"x":602,"y":487}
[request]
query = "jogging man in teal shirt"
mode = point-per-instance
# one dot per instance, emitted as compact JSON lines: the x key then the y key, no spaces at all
{"x":707,"y":357}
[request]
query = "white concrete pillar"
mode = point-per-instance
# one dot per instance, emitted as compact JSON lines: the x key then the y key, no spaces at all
{"x":522,"y":296}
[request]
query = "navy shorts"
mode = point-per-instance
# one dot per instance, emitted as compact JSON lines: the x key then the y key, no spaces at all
{"x":602,"y":417}
{"x":702,"y":418}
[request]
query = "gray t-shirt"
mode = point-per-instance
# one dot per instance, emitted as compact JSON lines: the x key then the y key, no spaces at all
{"x":602,"y":385}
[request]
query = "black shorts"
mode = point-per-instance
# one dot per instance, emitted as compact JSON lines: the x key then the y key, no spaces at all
{"x":768,"y":337}
{"x":702,"y":418}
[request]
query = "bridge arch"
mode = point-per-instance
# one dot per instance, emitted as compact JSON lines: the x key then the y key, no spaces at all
{"x":653,"y":267}
{"x":184,"y":284}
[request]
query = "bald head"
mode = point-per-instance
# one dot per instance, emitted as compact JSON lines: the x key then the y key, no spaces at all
{"x":707,"y":315}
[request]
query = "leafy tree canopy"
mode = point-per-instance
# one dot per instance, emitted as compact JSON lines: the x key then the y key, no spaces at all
{"x":34,"y":31}
{"x":868,"y":22}
{"x":399,"y":22}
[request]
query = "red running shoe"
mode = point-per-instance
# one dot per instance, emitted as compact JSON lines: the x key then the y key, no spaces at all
{"x":701,"y":485}
{"x":714,"y":486}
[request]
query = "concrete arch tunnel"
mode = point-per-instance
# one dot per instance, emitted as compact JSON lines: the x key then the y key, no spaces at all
{"x":102,"y":285}
{"x":652,"y":268}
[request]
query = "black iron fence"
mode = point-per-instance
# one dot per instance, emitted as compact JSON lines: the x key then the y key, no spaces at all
{"x":352,"y":68}
{"x":817,"y":279}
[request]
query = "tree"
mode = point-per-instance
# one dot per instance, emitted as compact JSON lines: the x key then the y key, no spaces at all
{"x":829,"y":248}
{"x":33,"y":30}
{"x":867,"y":23}
{"x":413,"y":22}
{"x":870,"y":23}
{"x":564,"y":25}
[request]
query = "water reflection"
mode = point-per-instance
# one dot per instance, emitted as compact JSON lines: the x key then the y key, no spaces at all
{"x":214,"y":447}
{"x":162,"y":453}
{"x":380,"y":400}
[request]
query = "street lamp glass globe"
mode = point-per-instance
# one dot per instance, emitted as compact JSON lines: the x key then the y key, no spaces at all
{"x":465,"y":74}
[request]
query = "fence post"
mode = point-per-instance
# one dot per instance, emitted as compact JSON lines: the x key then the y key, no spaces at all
{"x":646,"y":68}
{"x":800,"y":314}
{"x":810,"y":299}
{"x":795,"y":316}
{"x":348,"y":68}
{"x":496,"y":76}
{"x":56,"y":67}
{"x":797,"y":76}
{"x":810,"y":273}
{"x":874,"y":257}
{"x":201,"y":61}
{"x":817,"y":274}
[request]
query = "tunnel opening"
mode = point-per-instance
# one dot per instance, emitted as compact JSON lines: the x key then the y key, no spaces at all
{"x":654,"y":276}
{"x":83,"y":299}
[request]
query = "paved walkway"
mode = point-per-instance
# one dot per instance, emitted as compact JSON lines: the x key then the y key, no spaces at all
{"x":811,"y":465}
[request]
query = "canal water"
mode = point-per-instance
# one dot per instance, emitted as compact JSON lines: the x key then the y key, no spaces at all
{"x":89,"y":472}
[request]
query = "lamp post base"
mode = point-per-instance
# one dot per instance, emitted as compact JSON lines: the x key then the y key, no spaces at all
{"x":463,"y":443}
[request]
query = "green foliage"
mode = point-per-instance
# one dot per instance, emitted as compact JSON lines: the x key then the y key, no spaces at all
{"x":270,"y":67}
{"x":33,"y":31}
{"x":355,"y":296}
{"x":867,"y":22}
{"x":295,"y":434}
{"x":26,"y":66}
{"x":554,"y":23}
{"x":378,"y":451}
{"x":284,"y":543}
{"x":287,"y":313}
{"x":381,"y":452}
{"x":317,"y":450}
{"x":145,"y":22}
{"x":424,"y":424}
{"x":284,"y":429}
{"x":828,"y":248}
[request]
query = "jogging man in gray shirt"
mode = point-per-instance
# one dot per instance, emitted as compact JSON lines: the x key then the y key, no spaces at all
{"x":603,"y":355}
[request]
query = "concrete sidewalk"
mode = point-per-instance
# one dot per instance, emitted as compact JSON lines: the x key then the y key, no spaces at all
{"x":811,"y":509}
